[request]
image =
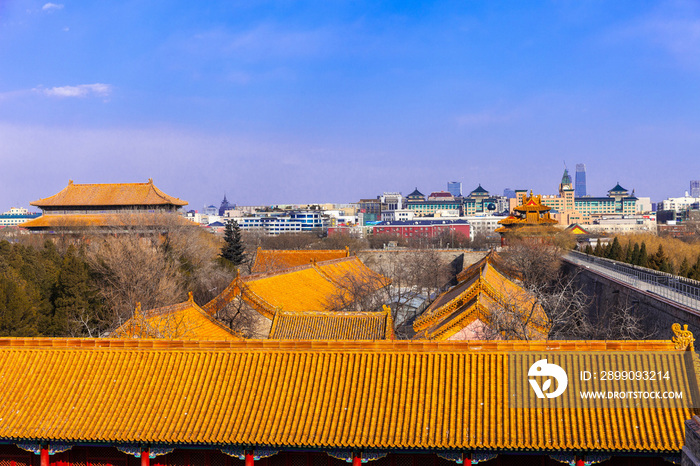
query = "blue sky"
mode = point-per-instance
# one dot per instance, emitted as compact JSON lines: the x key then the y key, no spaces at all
{"x":274,"y":102}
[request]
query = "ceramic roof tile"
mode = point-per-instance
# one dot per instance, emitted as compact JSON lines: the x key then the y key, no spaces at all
{"x":317,"y":394}
{"x":272,"y":260}
{"x":314,"y":287}
{"x":332,"y":325}
{"x":183,"y":321}
{"x":109,"y":194}
{"x":481,"y":290}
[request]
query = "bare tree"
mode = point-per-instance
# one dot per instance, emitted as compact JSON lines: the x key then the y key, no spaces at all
{"x":359,"y":291}
{"x":417,"y":276}
{"x":622,"y":320}
{"x":243,"y":318}
{"x":129,"y":269}
{"x":537,"y":264}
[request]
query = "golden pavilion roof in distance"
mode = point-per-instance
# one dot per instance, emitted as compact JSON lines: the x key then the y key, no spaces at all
{"x":109,"y":194}
{"x":331,"y":325}
{"x":482,"y":292}
{"x":270,"y":260}
{"x":382,"y":395}
{"x":183,"y":321}
{"x":531,"y":213}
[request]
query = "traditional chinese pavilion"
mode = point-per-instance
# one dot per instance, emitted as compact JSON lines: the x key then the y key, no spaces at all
{"x":80,"y":206}
{"x":532,"y":213}
{"x":80,"y":402}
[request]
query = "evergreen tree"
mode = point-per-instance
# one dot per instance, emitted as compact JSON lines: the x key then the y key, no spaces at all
{"x":598,"y":251}
{"x":606,"y":249}
{"x":695,"y":270}
{"x":628,"y":252}
{"x":635,"y":254}
{"x":643,"y":257}
{"x":659,"y":261}
{"x":589,"y":249}
{"x":17,"y":316}
{"x":234,"y":249}
{"x":684,"y":270}
{"x":74,"y":299}
{"x":615,"y":250}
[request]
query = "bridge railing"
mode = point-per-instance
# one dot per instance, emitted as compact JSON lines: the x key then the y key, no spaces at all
{"x":672,"y":287}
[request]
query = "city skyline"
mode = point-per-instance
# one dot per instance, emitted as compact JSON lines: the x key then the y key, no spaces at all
{"x":275,"y":102}
{"x":466,"y":189}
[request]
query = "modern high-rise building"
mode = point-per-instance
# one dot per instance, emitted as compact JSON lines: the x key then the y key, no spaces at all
{"x":580,"y":189}
{"x":454,"y":188}
{"x":694,"y":188}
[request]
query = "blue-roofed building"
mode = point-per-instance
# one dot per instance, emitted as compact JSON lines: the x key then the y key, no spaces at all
{"x":16,"y":216}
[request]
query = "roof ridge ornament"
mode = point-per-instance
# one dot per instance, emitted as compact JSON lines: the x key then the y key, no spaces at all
{"x":684,"y":338}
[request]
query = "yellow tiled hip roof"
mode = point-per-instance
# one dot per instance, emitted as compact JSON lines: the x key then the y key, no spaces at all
{"x":312,"y":394}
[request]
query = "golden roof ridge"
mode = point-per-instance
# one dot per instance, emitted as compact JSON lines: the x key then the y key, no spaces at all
{"x":339,"y":345}
{"x":73,"y":187}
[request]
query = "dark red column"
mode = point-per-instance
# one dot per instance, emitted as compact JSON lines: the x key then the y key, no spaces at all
{"x":249,"y":460}
{"x":356,"y":460}
{"x":145,"y":457}
{"x":44,"y":457}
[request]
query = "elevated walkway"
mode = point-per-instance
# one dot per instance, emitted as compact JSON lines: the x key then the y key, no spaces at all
{"x":679,"y":291}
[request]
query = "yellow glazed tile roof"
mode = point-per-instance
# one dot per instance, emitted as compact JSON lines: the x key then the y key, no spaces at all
{"x":332,"y":326}
{"x":183,"y":321}
{"x":480,"y":291}
{"x":351,"y":271}
{"x":314,"y":287}
{"x":271,"y":260}
{"x":306,"y":394}
{"x":109,"y":194}
{"x":103,"y":220}
{"x":297,"y":291}
{"x":474,"y":269}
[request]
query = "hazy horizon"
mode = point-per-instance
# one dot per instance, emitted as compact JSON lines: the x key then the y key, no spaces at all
{"x":296,"y":102}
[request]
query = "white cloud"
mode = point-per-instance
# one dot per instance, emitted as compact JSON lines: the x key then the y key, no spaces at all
{"x":82,"y":90}
{"x":52,"y":6}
